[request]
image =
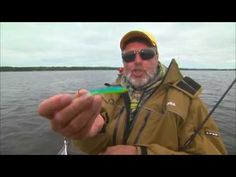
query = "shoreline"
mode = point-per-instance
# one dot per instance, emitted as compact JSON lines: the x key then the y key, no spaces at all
{"x":64,"y":68}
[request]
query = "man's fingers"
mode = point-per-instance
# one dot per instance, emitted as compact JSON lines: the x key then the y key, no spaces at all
{"x":49,"y":106}
{"x":81,"y":125}
{"x":78,"y":105}
{"x":84,"y":132}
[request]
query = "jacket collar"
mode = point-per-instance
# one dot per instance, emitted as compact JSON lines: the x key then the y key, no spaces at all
{"x":173,"y":73}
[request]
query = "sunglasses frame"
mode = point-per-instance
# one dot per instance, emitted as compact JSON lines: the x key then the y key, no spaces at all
{"x":135,"y":52}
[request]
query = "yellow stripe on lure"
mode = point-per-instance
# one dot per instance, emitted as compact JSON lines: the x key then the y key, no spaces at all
{"x":107,"y":90}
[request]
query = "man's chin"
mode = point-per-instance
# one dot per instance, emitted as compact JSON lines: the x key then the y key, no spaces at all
{"x":137,"y":83}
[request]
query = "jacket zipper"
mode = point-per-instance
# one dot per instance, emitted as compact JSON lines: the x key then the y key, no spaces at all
{"x":129,"y":125}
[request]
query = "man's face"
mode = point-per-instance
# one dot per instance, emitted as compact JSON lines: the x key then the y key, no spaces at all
{"x":139,"y":72}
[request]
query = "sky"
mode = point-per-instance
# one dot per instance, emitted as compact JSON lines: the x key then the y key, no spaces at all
{"x":192,"y":44}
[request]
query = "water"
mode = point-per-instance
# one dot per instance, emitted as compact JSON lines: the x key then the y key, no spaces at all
{"x":23,"y":131}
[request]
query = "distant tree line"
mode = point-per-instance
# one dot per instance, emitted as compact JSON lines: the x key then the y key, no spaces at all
{"x":56,"y":68}
{"x":65,"y":68}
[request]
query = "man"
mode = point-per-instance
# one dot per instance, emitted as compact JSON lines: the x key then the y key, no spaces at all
{"x":158,"y":115}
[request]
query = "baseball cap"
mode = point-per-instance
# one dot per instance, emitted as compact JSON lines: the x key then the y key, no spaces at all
{"x":137,"y":34}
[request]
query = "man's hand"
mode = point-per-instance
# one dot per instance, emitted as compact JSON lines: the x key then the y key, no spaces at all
{"x":74,"y":118}
{"x":120,"y":150}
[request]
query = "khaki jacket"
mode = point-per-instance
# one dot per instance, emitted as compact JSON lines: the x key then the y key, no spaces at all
{"x":162,"y":124}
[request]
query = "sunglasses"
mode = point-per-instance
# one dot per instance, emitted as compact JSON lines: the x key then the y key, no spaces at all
{"x":145,"y":54}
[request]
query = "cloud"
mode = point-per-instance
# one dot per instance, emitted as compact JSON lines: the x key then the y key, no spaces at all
{"x":97,"y":44}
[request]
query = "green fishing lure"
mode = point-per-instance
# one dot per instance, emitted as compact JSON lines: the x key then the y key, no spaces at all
{"x":107,"y":90}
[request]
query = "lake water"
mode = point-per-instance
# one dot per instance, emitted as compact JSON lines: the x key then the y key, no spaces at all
{"x":23,"y":131}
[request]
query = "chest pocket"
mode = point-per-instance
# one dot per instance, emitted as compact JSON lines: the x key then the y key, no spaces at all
{"x":177,"y":102}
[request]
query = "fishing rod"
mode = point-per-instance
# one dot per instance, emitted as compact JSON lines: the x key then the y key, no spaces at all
{"x":64,"y":149}
{"x":187,"y":143}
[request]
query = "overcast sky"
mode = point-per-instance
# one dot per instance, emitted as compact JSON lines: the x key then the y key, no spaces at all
{"x":194,"y":45}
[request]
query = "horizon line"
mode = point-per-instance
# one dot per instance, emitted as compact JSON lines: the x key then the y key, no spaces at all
{"x":112,"y":67}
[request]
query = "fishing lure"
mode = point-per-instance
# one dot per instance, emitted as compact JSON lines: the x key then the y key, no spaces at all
{"x":107,"y":90}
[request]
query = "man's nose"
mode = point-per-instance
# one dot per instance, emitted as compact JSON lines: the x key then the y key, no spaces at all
{"x":138,"y":59}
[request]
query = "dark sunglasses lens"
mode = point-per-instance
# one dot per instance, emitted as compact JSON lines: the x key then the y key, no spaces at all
{"x":128,"y":57}
{"x":147,"y":54}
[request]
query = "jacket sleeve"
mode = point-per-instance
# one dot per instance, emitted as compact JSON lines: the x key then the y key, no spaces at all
{"x":156,"y":149}
{"x":93,"y":145}
{"x":208,"y":141}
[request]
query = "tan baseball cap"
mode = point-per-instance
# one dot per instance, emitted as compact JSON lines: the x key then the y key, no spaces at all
{"x":137,"y":33}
